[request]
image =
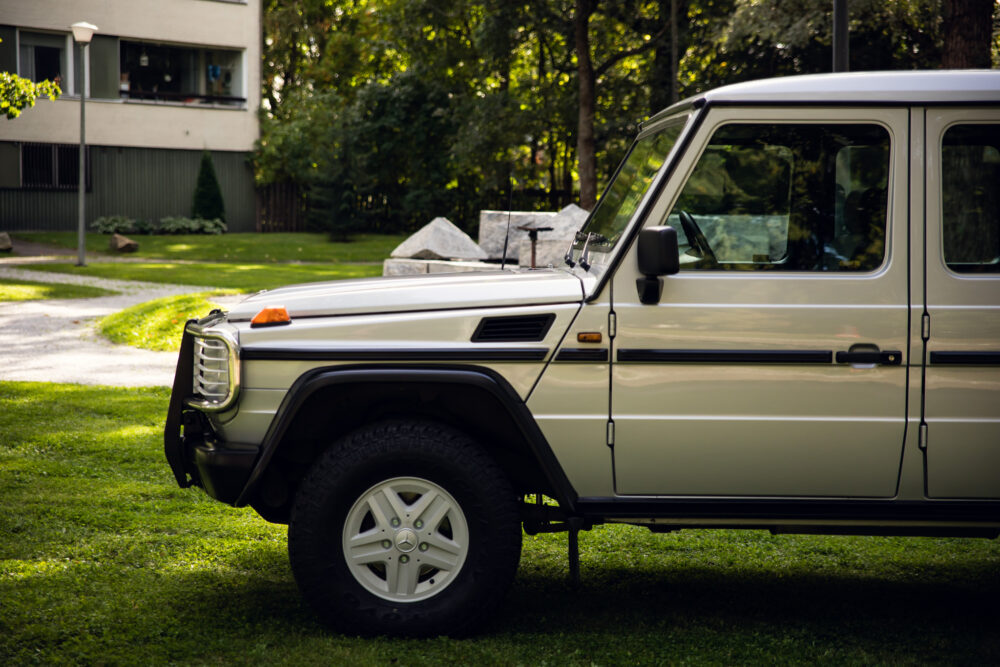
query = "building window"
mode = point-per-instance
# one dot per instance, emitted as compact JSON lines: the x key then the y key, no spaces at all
{"x":52,"y":166}
{"x":161,"y":73}
{"x":42,"y":57}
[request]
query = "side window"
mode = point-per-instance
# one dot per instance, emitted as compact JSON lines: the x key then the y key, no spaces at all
{"x":970,"y":168}
{"x":793,"y":197}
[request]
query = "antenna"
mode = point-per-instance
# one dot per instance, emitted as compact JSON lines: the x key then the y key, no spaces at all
{"x":510,"y":205}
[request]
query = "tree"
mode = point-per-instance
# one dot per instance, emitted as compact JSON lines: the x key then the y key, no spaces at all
{"x":18,"y":93}
{"x":967,"y":28}
{"x":207,"y":202}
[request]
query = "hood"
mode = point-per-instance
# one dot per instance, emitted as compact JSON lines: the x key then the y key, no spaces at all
{"x":439,"y":291}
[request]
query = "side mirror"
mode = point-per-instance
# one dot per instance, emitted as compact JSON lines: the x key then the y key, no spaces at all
{"x":658,"y":255}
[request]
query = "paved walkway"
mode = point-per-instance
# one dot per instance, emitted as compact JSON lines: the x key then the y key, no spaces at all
{"x":55,"y":340}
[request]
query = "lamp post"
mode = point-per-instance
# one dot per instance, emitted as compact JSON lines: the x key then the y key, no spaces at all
{"x":82,"y":34}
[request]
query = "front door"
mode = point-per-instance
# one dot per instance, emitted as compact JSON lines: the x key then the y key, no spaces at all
{"x":772,"y":364}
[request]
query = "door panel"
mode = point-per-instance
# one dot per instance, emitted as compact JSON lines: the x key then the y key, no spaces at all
{"x":962,"y":377}
{"x":729,"y":386}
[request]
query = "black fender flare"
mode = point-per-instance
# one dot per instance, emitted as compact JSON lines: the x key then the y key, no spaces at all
{"x":471,"y":376}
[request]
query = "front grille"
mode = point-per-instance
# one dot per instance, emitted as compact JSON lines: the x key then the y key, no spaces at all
{"x":215,"y":371}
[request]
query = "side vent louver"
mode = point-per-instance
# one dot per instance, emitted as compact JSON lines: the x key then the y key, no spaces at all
{"x":514,"y":329}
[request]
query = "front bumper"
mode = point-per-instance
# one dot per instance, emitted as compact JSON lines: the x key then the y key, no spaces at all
{"x":197,"y":456}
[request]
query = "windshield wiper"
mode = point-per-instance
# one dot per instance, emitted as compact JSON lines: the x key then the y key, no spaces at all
{"x":591,"y":237}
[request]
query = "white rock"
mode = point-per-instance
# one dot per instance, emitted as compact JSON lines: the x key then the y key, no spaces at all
{"x":493,"y":228}
{"x":439,"y":239}
{"x":5,"y":243}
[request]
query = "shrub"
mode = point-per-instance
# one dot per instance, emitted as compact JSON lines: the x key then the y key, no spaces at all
{"x":180,"y":225}
{"x":207,"y":202}
{"x":121,"y":224}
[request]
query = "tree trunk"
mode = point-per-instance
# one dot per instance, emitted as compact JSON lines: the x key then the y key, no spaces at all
{"x":585,"y":145}
{"x":967,"y":29}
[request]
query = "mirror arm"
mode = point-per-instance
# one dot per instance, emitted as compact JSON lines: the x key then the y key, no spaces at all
{"x":650,"y":289}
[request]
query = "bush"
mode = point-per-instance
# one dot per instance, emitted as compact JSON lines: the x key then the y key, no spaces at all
{"x":207,"y":202}
{"x":122,"y":224}
{"x":179,"y":225}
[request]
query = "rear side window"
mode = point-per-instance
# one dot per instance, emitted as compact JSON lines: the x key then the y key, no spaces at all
{"x":970,"y":196}
{"x":794,"y":197}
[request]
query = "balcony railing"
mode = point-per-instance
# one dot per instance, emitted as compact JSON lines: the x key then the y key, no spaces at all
{"x":185,"y":99}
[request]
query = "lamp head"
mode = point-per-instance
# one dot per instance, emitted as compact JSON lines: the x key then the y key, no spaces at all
{"x":83,"y":32}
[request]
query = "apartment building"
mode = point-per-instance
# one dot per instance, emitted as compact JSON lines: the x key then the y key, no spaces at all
{"x":169,"y":79}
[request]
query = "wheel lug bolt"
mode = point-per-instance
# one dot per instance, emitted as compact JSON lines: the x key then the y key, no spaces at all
{"x":424,"y":546}
{"x":386,"y":544}
{"x":404,"y":559}
{"x":395,"y":522}
{"x":418,"y":524}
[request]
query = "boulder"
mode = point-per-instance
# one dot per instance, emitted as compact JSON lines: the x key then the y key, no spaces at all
{"x":552,"y":245}
{"x":439,"y":239}
{"x":5,"y":242}
{"x":121,"y":243}
{"x":493,"y":229}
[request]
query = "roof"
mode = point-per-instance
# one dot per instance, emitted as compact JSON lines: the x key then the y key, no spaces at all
{"x":899,"y":87}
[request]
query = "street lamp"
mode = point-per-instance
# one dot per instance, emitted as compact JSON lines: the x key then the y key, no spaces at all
{"x":82,"y":34}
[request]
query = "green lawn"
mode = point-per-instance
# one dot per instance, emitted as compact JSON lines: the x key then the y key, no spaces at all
{"x":157,"y":324}
{"x":250,"y":248}
{"x":241,"y":277}
{"x":104,"y":560}
{"x":30,"y":290}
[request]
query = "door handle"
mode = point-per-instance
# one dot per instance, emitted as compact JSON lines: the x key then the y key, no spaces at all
{"x":866,"y":353}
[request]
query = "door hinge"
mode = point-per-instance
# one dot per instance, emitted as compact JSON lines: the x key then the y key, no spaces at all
{"x":925,"y":327}
{"x":611,"y":433}
{"x":922,"y":439}
{"x":612,"y":324}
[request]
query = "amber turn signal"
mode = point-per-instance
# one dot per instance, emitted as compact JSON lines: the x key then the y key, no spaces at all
{"x":589,"y":337}
{"x":270,"y":316}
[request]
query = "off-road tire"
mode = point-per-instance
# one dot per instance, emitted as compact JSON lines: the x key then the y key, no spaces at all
{"x":383,"y":453}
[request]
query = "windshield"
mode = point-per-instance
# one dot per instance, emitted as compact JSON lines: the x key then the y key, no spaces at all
{"x":621,"y":199}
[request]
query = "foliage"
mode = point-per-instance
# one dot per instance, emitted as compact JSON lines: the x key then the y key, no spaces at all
{"x":30,"y":290}
{"x":241,"y":248}
{"x":18,"y":93}
{"x":104,"y":560}
{"x":157,"y":324}
{"x":207,"y":202}
{"x":179,"y":225}
{"x":473,"y":95}
{"x":238,"y":276}
{"x":122,"y":224}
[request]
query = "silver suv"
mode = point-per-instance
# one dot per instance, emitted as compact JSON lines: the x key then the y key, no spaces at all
{"x":784,"y":313}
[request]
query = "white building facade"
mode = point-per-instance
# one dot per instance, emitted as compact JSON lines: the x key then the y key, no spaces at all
{"x":169,"y":79}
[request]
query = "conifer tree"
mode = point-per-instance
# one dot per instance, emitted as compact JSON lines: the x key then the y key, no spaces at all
{"x":207,"y":202}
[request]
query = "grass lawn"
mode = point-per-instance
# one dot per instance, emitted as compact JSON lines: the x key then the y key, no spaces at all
{"x":248,"y":248}
{"x":30,"y":290}
{"x":241,"y":277}
{"x":157,"y":324}
{"x":104,"y":560}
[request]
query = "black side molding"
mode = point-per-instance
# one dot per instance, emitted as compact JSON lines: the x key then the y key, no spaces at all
{"x":726,"y":356}
{"x":963,"y":358}
{"x":579,"y":354}
{"x":381,"y":354}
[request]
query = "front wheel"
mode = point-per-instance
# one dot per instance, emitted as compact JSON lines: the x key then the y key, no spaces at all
{"x":405,"y":528}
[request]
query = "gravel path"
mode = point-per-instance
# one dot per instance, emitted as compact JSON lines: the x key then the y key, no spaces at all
{"x":54,"y":340}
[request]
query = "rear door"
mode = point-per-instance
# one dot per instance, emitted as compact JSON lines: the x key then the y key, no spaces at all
{"x":961,"y":411}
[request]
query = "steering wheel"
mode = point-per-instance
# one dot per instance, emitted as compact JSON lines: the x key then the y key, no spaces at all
{"x":696,"y":239}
